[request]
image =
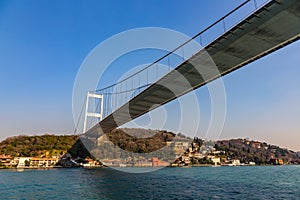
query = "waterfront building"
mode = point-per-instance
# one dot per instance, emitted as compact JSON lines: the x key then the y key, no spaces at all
{"x":90,"y":163}
{"x":112,"y":162}
{"x":15,"y":161}
{"x":235,"y":162}
{"x":42,"y":162}
{"x":5,"y":160}
{"x":23,"y":162}
{"x":276,"y":161}
{"x":159,"y":163}
{"x":251,"y":163}
{"x":216,"y":160}
{"x":143,"y":163}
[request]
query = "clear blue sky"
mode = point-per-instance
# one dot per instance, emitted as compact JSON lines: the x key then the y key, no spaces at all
{"x":43,"y":43}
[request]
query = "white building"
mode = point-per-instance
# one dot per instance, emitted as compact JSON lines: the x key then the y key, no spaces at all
{"x":216,"y":160}
{"x":22,"y":161}
{"x":251,"y":163}
{"x":236,"y":162}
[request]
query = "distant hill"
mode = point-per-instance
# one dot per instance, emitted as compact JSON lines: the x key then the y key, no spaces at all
{"x":133,"y":140}
{"x":259,"y":152}
{"x":30,"y":146}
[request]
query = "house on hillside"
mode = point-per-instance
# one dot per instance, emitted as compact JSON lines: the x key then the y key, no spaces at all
{"x":256,"y":145}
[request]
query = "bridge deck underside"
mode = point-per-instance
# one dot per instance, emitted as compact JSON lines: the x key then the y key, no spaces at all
{"x":274,"y":26}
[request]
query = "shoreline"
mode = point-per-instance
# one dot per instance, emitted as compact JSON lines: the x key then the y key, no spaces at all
{"x":95,"y":167}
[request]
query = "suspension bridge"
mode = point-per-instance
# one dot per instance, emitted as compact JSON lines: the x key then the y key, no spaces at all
{"x":267,"y":27}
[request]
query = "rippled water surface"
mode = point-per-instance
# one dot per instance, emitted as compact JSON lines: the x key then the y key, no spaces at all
{"x":267,"y":182}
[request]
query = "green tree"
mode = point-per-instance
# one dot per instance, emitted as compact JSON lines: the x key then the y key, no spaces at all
{"x":27,"y":163}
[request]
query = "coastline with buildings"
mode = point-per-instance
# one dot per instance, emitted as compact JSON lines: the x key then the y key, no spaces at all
{"x":52,"y":151}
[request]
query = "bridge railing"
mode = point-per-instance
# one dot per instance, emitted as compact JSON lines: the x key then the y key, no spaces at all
{"x":116,"y":95}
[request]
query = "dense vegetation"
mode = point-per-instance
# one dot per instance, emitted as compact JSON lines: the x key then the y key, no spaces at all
{"x":30,"y":146}
{"x":140,"y":140}
{"x":132,"y":140}
{"x":259,"y":152}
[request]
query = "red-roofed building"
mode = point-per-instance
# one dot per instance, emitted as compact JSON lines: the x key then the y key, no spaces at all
{"x":159,"y":163}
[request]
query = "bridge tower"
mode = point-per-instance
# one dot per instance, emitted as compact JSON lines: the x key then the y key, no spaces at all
{"x":93,"y":114}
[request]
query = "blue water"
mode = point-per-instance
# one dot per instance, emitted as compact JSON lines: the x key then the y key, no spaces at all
{"x":259,"y":182}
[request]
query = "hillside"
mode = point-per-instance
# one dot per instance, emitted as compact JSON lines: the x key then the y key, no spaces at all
{"x":140,"y":140}
{"x":147,"y":141}
{"x":259,"y":152}
{"x":30,"y":146}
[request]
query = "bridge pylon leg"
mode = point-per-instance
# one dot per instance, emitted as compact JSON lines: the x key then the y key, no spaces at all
{"x":87,"y":114}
